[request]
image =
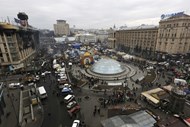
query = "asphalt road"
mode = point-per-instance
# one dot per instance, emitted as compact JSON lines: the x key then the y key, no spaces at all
{"x":55,"y":114}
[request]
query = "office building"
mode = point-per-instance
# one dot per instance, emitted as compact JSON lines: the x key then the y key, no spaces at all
{"x":142,"y":38}
{"x":17,"y":46}
{"x":174,"y":35}
{"x":61,"y":28}
{"x":171,"y":37}
{"x":111,"y":38}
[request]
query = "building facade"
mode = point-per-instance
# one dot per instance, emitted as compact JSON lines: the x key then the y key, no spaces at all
{"x":101,"y":35}
{"x":137,"y":39}
{"x":86,"y":38}
{"x":17,"y":46}
{"x":171,"y":37}
{"x":111,"y":38}
{"x":2,"y":101}
{"x":61,"y":28}
{"x":174,"y":35}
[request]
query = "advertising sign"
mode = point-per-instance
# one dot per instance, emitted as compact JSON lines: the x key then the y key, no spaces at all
{"x":165,"y":16}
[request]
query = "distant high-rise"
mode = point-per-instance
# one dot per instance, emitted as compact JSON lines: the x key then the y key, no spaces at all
{"x":61,"y":28}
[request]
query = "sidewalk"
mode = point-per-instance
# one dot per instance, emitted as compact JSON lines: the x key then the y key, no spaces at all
{"x":11,"y":111}
{"x":10,"y":117}
{"x":37,"y":122}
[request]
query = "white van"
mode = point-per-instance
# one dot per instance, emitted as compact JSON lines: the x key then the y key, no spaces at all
{"x":69,"y":98}
{"x":42,"y":92}
{"x":178,"y":81}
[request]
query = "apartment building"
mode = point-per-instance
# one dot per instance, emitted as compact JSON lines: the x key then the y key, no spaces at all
{"x":111,"y":38}
{"x":142,"y":37}
{"x":17,"y":46}
{"x":61,"y":28}
{"x":174,"y":35}
{"x":171,"y":37}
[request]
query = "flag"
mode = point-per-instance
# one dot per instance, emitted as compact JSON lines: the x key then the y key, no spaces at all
{"x":17,"y":20}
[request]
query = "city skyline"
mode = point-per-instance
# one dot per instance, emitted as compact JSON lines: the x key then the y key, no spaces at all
{"x":92,"y":14}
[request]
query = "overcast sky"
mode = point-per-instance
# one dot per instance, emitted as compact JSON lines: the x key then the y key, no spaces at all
{"x":92,"y":13}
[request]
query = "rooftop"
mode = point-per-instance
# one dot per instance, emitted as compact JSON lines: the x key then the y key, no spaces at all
{"x":143,"y":26}
{"x":137,"y":119}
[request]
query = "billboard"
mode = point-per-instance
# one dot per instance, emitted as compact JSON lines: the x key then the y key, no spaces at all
{"x":165,"y":16}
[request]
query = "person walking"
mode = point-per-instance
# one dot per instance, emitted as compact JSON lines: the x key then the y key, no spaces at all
{"x":98,"y":109}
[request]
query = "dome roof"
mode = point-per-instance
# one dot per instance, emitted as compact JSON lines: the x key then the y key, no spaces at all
{"x":107,"y":66}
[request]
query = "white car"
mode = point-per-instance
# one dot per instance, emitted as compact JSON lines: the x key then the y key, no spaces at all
{"x":76,"y":123}
{"x":61,"y":74}
{"x":43,"y":74}
{"x":67,"y":85}
{"x":15,"y":85}
{"x":37,"y":77}
{"x":63,"y":77}
{"x":71,"y":104}
{"x":47,"y":72}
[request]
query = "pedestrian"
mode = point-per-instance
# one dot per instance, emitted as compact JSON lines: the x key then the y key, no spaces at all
{"x":98,"y":110}
{"x":25,"y":119}
{"x":94,"y":113}
{"x":13,"y":95}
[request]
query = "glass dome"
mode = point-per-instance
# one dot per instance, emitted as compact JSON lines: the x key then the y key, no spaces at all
{"x":107,"y":66}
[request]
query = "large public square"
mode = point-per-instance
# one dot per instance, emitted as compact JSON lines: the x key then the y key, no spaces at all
{"x":100,"y":94}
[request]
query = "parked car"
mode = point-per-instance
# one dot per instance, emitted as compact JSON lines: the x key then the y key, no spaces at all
{"x":76,"y":123}
{"x":67,"y":85}
{"x":66,"y":91}
{"x":69,"y":98}
{"x":37,"y":78}
{"x":15,"y":85}
{"x":74,"y":110}
{"x":71,"y":104}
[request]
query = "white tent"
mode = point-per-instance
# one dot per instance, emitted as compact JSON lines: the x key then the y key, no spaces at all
{"x":127,"y":57}
{"x":56,"y":66}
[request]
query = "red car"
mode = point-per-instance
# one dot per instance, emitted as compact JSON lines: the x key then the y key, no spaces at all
{"x":74,"y":110}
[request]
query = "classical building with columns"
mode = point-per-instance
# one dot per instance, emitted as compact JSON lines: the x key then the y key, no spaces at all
{"x":61,"y":28}
{"x":17,"y":46}
{"x":139,"y":38}
{"x":174,"y":35}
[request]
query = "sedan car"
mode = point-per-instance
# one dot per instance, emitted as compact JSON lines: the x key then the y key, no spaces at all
{"x":66,"y":91}
{"x":67,"y":85}
{"x":37,"y":77}
{"x":15,"y":85}
{"x":76,"y":123}
{"x":74,"y":110}
{"x":71,"y":104}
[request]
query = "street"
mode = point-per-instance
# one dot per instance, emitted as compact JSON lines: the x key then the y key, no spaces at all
{"x":55,"y":114}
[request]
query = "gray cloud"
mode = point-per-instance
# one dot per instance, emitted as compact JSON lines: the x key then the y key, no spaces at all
{"x":92,"y":13}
